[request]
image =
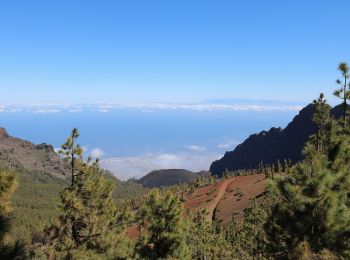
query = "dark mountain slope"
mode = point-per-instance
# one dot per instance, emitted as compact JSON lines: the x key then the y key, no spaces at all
{"x":167,"y":177}
{"x":270,"y":146}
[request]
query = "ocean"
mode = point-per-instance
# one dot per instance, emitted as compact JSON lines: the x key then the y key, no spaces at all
{"x":133,"y":141}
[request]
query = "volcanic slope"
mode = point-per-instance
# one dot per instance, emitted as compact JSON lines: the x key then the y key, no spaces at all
{"x":227,"y":199}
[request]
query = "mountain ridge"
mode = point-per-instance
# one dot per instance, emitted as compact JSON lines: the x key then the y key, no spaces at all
{"x":18,"y":153}
{"x":272,"y":145}
{"x":42,"y":175}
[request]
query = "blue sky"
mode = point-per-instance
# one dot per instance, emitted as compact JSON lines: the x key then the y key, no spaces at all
{"x":174,"y":84}
{"x":170,"y":51}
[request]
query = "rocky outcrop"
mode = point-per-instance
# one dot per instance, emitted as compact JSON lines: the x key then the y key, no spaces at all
{"x":3,"y":133}
{"x":17,"y":153}
{"x":47,"y":147}
{"x":270,"y":146}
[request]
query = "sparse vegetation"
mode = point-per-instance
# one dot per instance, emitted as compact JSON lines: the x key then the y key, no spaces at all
{"x":303,"y":214}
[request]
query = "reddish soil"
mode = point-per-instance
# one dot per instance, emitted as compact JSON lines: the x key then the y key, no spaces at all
{"x":224,"y":201}
{"x":221,"y":190}
{"x":230,"y":198}
{"x":206,"y":196}
{"x":238,"y":197}
{"x":133,"y":232}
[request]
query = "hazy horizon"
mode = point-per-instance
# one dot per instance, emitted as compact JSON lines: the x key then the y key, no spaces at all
{"x":131,"y":139}
{"x":164,"y":84}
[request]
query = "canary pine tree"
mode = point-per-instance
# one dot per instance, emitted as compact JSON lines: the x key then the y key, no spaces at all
{"x":89,"y":225}
{"x":323,"y":122}
{"x":279,"y":168}
{"x":207,"y":240}
{"x":7,"y":187}
{"x":343,"y":92}
{"x":72,"y":152}
{"x":286,"y":166}
{"x":312,"y":213}
{"x":248,"y":237}
{"x":9,"y":251}
{"x":164,"y":229}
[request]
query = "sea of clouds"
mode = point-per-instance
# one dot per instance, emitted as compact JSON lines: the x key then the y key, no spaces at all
{"x":192,"y":157}
{"x":150,"y":107}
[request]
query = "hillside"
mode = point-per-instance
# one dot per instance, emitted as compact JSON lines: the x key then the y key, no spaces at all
{"x":227,"y":199}
{"x":270,"y":146}
{"x":224,"y":201}
{"x":17,"y":153}
{"x":37,"y":196}
{"x":41,"y":176}
{"x":169,"y":177}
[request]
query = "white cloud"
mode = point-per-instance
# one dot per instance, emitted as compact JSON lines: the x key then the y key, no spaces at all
{"x":229,"y":144}
{"x":195,"y":148}
{"x":96,"y":153}
{"x":75,"y":110}
{"x":105,"y":108}
{"x":45,"y":111}
{"x":152,"y":107}
{"x":14,"y":110}
{"x":137,"y":166}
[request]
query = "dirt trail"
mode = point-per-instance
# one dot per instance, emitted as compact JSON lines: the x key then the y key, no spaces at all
{"x":133,"y":232}
{"x":221,"y":192}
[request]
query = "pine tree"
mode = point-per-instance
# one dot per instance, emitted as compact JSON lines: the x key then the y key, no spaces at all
{"x":226,"y":174}
{"x":206,"y":240}
{"x":312,"y":212}
{"x":17,"y":250}
{"x":343,"y":92}
{"x":191,"y":188}
{"x":272,"y":171}
{"x":248,"y":239}
{"x":211,"y":180}
{"x":89,"y":225}
{"x":286,"y":166}
{"x":72,"y":153}
{"x":7,"y":187}
{"x":323,"y":121}
{"x":261,"y":168}
{"x":267,"y":171}
{"x":279,"y":168}
{"x":164,"y":229}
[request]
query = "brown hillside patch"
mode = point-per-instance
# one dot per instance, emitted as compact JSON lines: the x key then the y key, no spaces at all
{"x":238,"y":197}
{"x":208,"y":197}
{"x":224,"y":201}
{"x":200,"y":196}
{"x":133,"y":232}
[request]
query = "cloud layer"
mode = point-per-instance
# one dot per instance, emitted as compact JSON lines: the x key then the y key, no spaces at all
{"x":137,"y":166}
{"x":195,"y":148}
{"x":96,"y":153}
{"x":151,"y":107}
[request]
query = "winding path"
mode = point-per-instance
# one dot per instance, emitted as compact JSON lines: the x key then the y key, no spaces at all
{"x":222,"y":187}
